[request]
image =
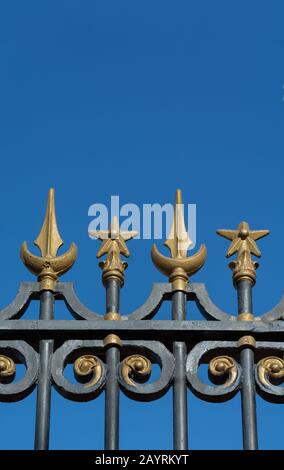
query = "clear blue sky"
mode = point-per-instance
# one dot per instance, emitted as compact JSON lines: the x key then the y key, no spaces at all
{"x":99,"y":98}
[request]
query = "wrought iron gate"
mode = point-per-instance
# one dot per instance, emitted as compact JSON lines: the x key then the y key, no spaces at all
{"x":114,"y":353}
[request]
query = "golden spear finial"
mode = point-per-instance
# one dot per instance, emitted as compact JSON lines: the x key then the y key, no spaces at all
{"x":49,"y":240}
{"x":113,"y":245}
{"x":178,"y":241}
{"x":243,"y":243}
{"x":179,"y":267}
{"x":48,"y":267}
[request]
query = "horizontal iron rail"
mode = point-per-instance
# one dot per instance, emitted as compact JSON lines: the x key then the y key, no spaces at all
{"x":159,"y":330}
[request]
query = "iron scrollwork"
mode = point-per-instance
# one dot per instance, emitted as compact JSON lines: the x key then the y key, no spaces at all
{"x":269,"y":372}
{"x":221,"y":367}
{"x":11,"y":354}
{"x":136,"y":366}
{"x":89,"y":369}
{"x":86,"y":366}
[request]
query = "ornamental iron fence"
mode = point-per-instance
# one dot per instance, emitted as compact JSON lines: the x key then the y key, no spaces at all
{"x":114,"y":353}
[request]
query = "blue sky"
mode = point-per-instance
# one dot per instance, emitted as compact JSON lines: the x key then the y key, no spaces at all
{"x":136,"y":99}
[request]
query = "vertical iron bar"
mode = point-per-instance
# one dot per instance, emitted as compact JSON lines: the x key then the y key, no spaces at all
{"x":250,"y":439}
{"x":112,"y":360}
{"x":179,"y":388}
{"x":44,"y":384}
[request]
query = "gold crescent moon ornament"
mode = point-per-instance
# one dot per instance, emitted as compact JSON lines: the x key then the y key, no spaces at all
{"x":48,"y":267}
{"x":179,"y":267}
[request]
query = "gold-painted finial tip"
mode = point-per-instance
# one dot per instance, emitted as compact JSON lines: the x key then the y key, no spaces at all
{"x":51,"y":197}
{"x":49,"y":240}
{"x":178,"y":196}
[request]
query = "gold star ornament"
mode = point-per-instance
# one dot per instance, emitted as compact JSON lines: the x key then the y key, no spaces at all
{"x":244,"y":244}
{"x":113,"y":245}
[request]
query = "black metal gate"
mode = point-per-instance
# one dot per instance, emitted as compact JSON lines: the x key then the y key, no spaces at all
{"x":114,"y":353}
